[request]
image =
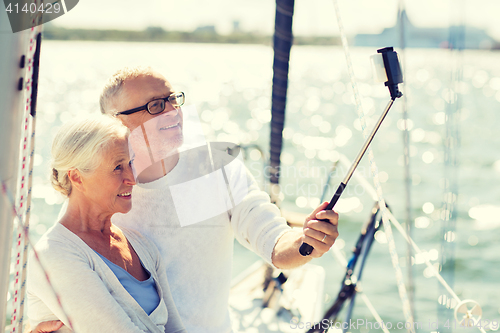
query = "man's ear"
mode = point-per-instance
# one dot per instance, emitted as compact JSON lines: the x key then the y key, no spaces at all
{"x":75,"y":178}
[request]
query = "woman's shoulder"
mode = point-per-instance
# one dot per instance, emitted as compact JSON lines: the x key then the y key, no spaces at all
{"x":58,"y":243}
{"x":56,"y":235}
{"x":57,"y":253}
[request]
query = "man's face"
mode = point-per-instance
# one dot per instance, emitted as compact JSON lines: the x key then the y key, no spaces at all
{"x":163,"y":130}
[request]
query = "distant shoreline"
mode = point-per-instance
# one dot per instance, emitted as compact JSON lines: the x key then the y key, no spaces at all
{"x":159,"y":35}
{"x":153,"y":34}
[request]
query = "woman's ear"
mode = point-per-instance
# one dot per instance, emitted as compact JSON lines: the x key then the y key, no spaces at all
{"x":75,"y":178}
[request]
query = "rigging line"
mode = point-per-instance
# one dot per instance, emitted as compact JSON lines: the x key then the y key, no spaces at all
{"x":400,"y":228}
{"x":26,"y":172}
{"x":369,"y":188}
{"x":22,"y":202}
{"x":451,"y":149}
{"x":402,"y":19}
{"x":438,"y":276}
{"x":34,"y":94}
{"x":374,"y":171}
{"x":428,"y":263}
{"x":370,"y":307}
{"x":426,"y":260}
{"x":367,"y":242}
{"x":341,"y":259}
{"x":20,"y":242}
{"x":18,"y":219}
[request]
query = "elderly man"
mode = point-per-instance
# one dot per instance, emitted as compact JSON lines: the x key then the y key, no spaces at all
{"x":198,"y":256}
{"x":174,"y":186}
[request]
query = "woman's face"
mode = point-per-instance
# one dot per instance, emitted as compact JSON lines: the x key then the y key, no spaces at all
{"x":109,"y":187}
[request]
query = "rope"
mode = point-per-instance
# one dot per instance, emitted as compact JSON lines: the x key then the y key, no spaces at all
{"x":21,"y":207}
{"x":20,"y":241}
{"x":438,"y":276}
{"x":25,"y":195}
{"x":23,"y":212}
{"x":18,"y":220}
{"x":451,"y":149}
{"x":402,"y":18}
{"x":343,"y":262}
{"x":34,"y":91}
{"x":374,"y":171}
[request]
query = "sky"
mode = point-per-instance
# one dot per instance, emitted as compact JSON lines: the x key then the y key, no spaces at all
{"x":311,"y":17}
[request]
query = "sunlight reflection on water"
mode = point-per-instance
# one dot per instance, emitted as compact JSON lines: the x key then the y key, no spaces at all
{"x":231,"y":88}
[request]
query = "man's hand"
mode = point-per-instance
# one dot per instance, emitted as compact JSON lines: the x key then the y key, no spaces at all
{"x":321,"y":234}
{"x":48,"y":326}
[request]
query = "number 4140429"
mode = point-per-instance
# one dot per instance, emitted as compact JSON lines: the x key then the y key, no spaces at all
{"x":32,"y":8}
{"x":470,"y":323}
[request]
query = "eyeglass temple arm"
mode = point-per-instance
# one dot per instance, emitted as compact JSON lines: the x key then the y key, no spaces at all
{"x":145,"y":107}
{"x":140,"y":108}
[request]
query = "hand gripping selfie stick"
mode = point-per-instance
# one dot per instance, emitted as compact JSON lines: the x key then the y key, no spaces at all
{"x":387,"y":59}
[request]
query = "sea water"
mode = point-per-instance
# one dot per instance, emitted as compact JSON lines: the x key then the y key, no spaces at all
{"x":448,"y":96}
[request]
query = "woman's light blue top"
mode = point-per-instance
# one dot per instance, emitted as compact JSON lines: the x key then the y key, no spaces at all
{"x":144,"y":292}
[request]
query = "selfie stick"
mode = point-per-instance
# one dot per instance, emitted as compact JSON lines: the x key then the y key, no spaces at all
{"x":386,"y":59}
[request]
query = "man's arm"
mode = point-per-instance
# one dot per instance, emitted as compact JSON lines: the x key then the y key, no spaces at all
{"x":286,"y":251}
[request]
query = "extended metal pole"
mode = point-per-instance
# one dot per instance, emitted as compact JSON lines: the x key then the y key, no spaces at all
{"x":306,"y":249}
{"x":367,"y":143}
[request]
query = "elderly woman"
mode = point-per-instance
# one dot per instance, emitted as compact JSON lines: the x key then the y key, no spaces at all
{"x":102,"y":278}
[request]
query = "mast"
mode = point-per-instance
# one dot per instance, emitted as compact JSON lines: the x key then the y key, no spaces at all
{"x":11,"y":113}
{"x":450,"y":208}
{"x":402,"y":24}
{"x":283,"y":40}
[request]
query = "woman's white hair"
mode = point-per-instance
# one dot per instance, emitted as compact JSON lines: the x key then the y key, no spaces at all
{"x":112,"y":88}
{"x":80,"y":145}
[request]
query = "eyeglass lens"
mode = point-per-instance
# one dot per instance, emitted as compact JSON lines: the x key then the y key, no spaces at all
{"x":176,"y":99}
{"x":158,"y":105}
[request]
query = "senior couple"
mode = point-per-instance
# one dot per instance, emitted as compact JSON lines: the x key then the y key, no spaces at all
{"x":121,"y":258}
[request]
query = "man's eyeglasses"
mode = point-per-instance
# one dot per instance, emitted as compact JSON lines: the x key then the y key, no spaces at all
{"x":158,"y":105}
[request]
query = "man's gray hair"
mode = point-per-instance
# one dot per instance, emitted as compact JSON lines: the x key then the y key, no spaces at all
{"x":112,"y":88}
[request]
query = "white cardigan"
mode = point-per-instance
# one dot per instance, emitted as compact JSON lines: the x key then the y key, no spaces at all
{"x":92,"y":298}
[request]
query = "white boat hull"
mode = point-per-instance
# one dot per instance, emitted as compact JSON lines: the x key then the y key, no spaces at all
{"x":299,"y":304}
